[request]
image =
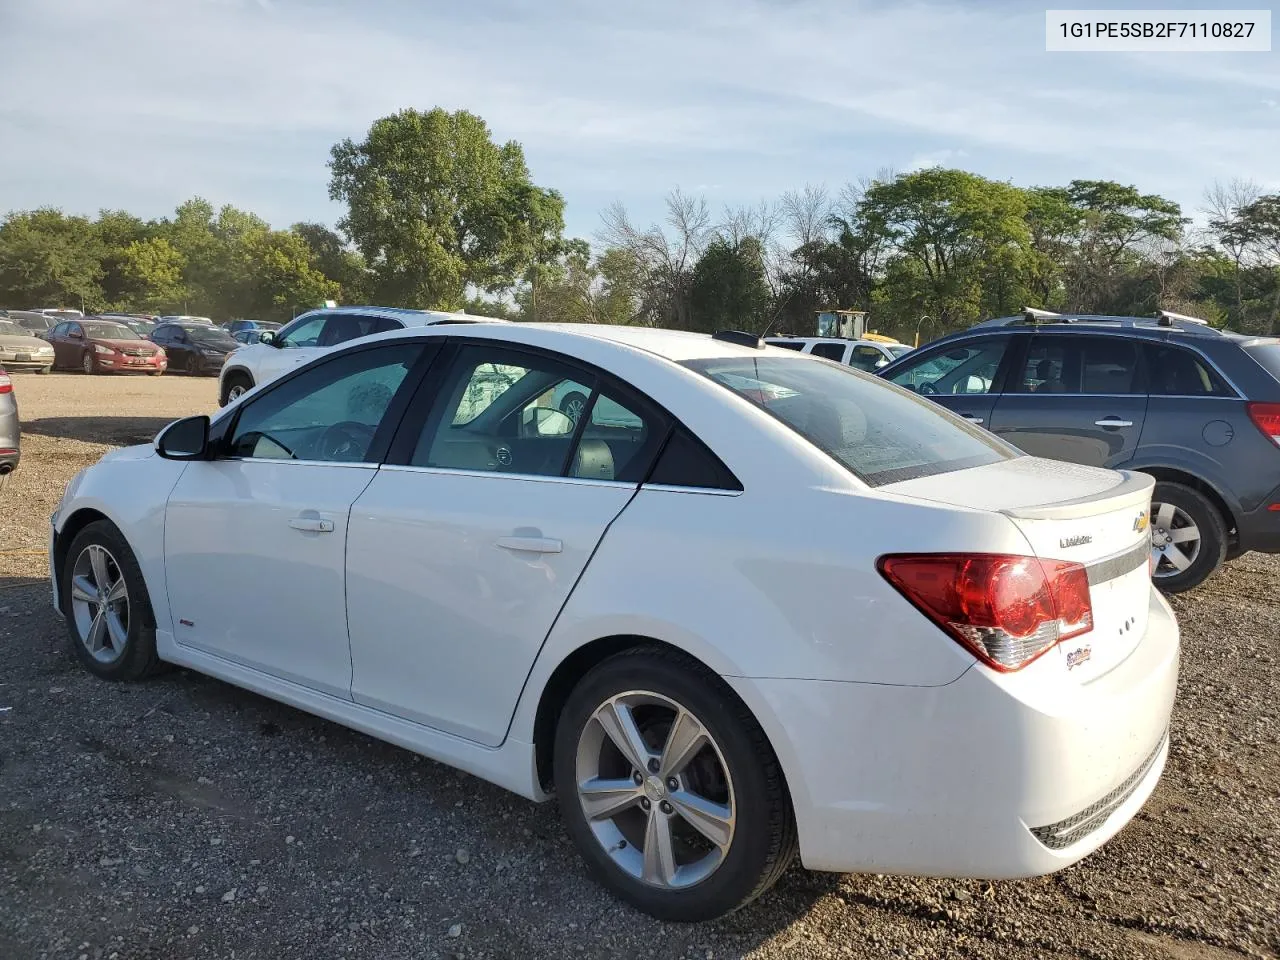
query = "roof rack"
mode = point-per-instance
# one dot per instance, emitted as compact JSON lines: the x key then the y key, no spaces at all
{"x":1164,"y":319}
{"x":1032,"y":315}
{"x":1167,"y":318}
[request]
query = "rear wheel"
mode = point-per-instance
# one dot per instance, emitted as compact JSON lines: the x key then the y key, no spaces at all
{"x":573,"y":405}
{"x":1188,"y":537}
{"x":235,"y":386}
{"x":670,"y":789}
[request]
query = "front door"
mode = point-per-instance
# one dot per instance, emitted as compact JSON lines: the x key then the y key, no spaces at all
{"x":255,"y":541}
{"x":1076,"y":397}
{"x":460,"y":558}
{"x":964,"y":377}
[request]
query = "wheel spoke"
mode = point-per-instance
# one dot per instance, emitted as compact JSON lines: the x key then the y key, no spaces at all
{"x":96,"y":638}
{"x":98,"y":561}
{"x":659,"y":855}
{"x":83,"y":590}
{"x":713,"y":820}
{"x":686,"y":738}
{"x":602,"y":799}
{"x":117,"y":591}
{"x":115,"y":629}
{"x":620,"y":726}
{"x":1185,"y":534}
{"x":1164,"y":516}
{"x":1178,"y":559}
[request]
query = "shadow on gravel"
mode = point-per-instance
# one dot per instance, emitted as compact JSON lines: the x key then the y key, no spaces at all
{"x":111,"y":430}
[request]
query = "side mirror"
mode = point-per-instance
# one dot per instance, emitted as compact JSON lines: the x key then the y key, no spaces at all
{"x":186,"y":439}
{"x":75,"y":334}
{"x":268,"y":337}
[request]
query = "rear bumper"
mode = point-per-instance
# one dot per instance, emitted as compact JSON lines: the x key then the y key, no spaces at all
{"x":1259,"y":530}
{"x":993,"y":776}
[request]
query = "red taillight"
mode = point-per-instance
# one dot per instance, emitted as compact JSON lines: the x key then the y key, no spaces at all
{"x":6,"y":385}
{"x":1006,"y":610}
{"x":1266,"y":417}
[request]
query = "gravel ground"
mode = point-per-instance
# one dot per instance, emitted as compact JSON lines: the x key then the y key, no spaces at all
{"x":183,"y":817}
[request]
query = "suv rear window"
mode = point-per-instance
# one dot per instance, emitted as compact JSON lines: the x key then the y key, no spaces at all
{"x":881,"y":433}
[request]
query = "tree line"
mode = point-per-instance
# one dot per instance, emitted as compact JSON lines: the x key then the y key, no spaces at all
{"x":440,"y":216}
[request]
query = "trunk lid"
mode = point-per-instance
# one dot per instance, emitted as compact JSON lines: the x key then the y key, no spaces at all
{"x":1095,"y":517}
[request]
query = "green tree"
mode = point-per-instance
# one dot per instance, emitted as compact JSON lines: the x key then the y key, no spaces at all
{"x":279,"y":278}
{"x":333,"y":258}
{"x":728,"y":289}
{"x":436,"y":207}
{"x":49,"y":259}
{"x":150,"y":276}
{"x":116,"y":231}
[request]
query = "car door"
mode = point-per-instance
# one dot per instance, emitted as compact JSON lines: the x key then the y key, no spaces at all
{"x":867,"y":358}
{"x":177,"y":344}
{"x":292,"y":346}
{"x":468,"y":541}
{"x":964,"y":376}
{"x":255,"y":539}
{"x":1077,"y":397}
{"x":55,"y":336}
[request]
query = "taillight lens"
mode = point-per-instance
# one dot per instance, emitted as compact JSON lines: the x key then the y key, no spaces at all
{"x":1007,"y":610}
{"x":1266,"y":417}
{"x":6,"y":385}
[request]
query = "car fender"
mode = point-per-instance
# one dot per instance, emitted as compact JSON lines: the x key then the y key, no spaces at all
{"x":1184,"y":460}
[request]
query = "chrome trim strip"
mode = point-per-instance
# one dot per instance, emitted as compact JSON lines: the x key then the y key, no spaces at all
{"x":1117,"y":565}
{"x":299,"y":463}
{"x":492,"y":474}
{"x":709,"y":491}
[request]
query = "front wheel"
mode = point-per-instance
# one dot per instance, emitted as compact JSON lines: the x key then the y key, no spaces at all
{"x":108,"y":611}
{"x":1188,"y":537}
{"x":87,"y":363}
{"x":45,"y":370}
{"x":234,"y":387}
{"x":573,"y":405}
{"x":670,"y":789}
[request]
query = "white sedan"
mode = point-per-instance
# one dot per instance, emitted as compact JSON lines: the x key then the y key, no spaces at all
{"x":782,"y":606}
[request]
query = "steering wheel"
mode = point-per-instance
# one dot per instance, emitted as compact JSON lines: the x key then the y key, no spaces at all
{"x":928,"y":388}
{"x":345,"y":441}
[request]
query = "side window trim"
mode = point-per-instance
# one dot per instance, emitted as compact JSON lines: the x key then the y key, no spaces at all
{"x":224,"y":429}
{"x":1151,"y":346}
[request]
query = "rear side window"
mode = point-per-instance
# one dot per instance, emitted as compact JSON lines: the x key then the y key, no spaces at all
{"x":1175,"y":372}
{"x":1267,"y":353}
{"x":786,"y":344}
{"x":686,"y":462}
{"x":881,"y":434}
{"x":828,"y":351}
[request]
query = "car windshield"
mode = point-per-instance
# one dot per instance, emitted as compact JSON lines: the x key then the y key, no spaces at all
{"x":881,"y":433}
{"x":10,"y":329}
{"x":109,"y":331}
{"x":64,"y":314}
{"x":209,"y":336}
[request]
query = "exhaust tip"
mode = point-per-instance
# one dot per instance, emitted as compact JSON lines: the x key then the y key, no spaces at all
{"x":6,"y":469}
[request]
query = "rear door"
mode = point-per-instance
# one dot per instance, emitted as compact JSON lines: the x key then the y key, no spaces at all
{"x":1076,"y":397}
{"x":963,"y":376}
{"x":468,"y":541}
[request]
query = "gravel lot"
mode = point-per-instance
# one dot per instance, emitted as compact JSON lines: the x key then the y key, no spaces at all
{"x":185,"y":818}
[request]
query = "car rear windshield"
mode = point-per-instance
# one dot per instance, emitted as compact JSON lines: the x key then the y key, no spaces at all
{"x":880,"y":432}
{"x":1267,"y":353}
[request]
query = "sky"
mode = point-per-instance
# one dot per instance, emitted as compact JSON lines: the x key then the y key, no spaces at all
{"x":141,"y":104}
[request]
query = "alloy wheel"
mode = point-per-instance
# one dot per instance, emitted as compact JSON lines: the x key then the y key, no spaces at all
{"x":1175,"y":540}
{"x":236,"y":391}
{"x":100,"y":603}
{"x":655,"y":790}
{"x":87,"y":363}
{"x":573,"y":408}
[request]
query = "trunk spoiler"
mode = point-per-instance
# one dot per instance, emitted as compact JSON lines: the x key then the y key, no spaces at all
{"x":1134,"y":489}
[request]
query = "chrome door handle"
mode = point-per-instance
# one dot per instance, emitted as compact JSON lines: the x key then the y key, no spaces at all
{"x":311,"y":524}
{"x":971,"y":419}
{"x":1112,"y":422}
{"x":530,"y":544}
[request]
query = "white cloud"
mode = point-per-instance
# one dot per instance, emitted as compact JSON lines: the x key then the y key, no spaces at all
{"x":144,"y":102}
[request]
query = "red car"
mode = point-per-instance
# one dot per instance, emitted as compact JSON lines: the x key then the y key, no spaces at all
{"x":104,"y":346}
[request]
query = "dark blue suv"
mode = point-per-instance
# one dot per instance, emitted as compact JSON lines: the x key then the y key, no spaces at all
{"x":1195,"y":407}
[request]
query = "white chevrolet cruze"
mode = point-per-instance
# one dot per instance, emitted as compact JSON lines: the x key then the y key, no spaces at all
{"x":780,"y":606}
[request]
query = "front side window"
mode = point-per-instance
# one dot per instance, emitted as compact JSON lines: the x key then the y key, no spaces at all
{"x":328,"y":413}
{"x":1080,"y":365}
{"x":505,"y":411}
{"x":305,"y":334}
{"x":881,"y":434}
{"x":963,"y":368}
{"x":60,"y":330}
{"x":867,"y":358}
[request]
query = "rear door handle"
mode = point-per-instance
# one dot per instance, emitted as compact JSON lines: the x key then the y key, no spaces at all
{"x":530,"y":544}
{"x":1112,"y":422}
{"x":311,"y":524}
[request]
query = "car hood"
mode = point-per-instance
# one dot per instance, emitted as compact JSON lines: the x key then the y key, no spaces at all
{"x":220,"y":347}
{"x":15,"y":341}
{"x":139,"y":451}
{"x":125,"y":344}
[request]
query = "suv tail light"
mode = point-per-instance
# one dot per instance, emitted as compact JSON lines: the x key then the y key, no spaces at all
{"x":1266,"y":417}
{"x":6,"y":385}
{"x":1006,"y":610}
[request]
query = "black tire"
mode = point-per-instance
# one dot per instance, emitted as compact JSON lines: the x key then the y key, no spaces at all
{"x":1213,"y":536}
{"x":764,"y":838}
{"x":45,"y":370}
{"x":568,"y":403}
{"x":138,"y":658}
{"x":88,"y":364}
{"x":233,"y":380}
